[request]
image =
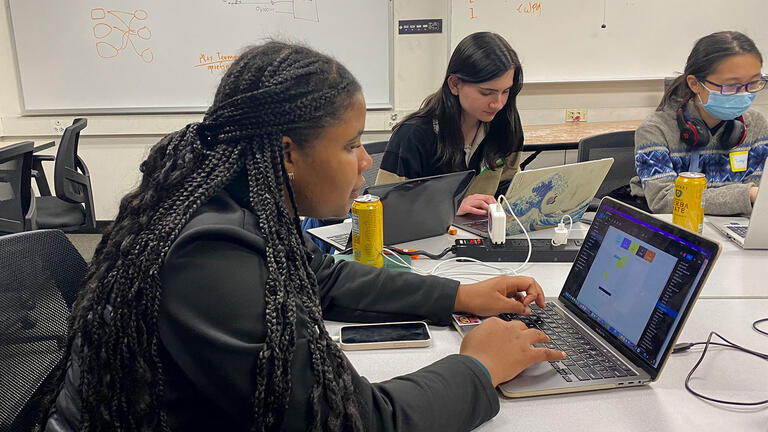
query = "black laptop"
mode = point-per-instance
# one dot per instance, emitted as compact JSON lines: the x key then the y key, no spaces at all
{"x":413,"y":209}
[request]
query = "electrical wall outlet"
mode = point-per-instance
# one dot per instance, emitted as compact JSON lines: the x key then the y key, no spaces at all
{"x":58,"y":126}
{"x":392,"y":120}
{"x":575,"y":114}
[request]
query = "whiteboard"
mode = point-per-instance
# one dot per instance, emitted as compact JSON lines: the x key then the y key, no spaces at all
{"x":562,"y":40}
{"x":97,"y":56}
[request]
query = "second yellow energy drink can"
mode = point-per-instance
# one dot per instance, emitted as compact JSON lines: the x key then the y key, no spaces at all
{"x":688,"y":207}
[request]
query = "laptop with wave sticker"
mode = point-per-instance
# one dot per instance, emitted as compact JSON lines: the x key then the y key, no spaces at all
{"x":541,"y":197}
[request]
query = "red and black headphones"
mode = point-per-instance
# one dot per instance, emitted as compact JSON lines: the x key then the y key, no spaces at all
{"x":695,"y":133}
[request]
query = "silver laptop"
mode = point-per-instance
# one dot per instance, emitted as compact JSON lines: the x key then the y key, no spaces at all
{"x":750,"y":235}
{"x":541,"y":197}
{"x":622,"y":307}
{"x":337,"y":235}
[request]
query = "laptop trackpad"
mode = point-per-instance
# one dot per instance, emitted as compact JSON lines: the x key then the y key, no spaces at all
{"x":538,"y":371}
{"x":539,"y":376}
{"x":535,"y":375}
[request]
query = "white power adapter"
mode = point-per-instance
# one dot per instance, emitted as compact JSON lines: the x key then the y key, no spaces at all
{"x":497,"y":224}
{"x":561,"y":234}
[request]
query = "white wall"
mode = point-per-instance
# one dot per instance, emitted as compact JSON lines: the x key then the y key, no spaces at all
{"x":114,"y":145}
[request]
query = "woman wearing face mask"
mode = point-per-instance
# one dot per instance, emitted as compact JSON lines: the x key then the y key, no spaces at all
{"x":703,"y":124}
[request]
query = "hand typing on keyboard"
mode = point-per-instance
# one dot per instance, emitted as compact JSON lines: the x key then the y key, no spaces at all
{"x":506,"y":348}
{"x":501,"y":294}
{"x":586,"y":361}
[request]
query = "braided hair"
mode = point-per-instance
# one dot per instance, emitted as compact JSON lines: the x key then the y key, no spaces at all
{"x":270,"y":91}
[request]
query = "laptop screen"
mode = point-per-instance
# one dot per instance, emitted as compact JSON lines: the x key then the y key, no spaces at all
{"x":634,"y":279}
{"x":422,"y":207}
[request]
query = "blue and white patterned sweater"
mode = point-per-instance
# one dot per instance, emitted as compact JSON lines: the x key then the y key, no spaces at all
{"x":660,"y":157}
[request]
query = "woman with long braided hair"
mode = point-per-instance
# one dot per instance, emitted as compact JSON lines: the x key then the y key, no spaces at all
{"x":203,"y":308}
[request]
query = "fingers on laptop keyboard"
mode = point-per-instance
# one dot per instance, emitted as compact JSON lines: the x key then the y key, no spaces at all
{"x":537,"y":336}
{"x":548,"y":354}
{"x":518,"y":325}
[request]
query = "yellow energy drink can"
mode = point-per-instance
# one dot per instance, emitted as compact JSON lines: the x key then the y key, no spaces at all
{"x":688,"y":207}
{"x":368,"y":230}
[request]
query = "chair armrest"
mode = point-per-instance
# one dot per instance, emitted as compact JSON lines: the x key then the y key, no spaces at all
{"x":45,"y":146}
{"x":44,"y":157}
{"x":80,"y":164}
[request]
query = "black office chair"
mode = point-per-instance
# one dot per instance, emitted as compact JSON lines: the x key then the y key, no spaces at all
{"x":621,"y":147}
{"x":71,"y":209}
{"x":17,"y":208}
{"x":41,"y":273}
{"x":376,"y":150}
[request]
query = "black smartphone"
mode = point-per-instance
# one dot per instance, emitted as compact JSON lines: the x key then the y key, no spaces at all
{"x":385,"y":335}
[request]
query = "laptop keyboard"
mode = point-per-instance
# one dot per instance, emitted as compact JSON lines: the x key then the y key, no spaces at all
{"x":339,"y":238}
{"x":739,"y":230}
{"x":585,"y":361}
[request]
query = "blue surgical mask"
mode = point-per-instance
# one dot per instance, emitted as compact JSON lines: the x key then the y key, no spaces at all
{"x":727,"y":107}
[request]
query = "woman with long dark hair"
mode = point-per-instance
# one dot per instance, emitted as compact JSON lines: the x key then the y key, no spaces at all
{"x":203,"y":307}
{"x":704,"y":124}
{"x":471,"y":122}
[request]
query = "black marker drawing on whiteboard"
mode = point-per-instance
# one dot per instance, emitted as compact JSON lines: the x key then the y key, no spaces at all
{"x":604,"y":6}
{"x":117,"y":30}
{"x":299,"y":9}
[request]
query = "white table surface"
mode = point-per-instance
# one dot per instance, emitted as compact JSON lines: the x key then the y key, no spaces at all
{"x":662,"y":406}
{"x":738,"y":273}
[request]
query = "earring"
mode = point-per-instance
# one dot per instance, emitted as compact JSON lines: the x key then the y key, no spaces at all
{"x":291,"y":176}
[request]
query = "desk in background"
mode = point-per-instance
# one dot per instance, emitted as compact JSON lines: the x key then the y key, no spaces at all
{"x":566,"y":136}
{"x":37,"y":165}
{"x":37,"y":148}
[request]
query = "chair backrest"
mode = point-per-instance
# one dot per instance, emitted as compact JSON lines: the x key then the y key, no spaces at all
{"x":15,"y":187}
{"x":71,"y":178}
{"x":376,"y":151}
{"x":41,"y":273}
{"x":618,"y":145}
{"x":69,"y":182}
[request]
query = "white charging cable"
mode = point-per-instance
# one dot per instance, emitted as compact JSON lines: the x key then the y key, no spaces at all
{"x":470,"y":262}
{"x":397,"y":259}
{"x":503,"y":200}
{"x":561,"y":232}
{"x":497,"y":224}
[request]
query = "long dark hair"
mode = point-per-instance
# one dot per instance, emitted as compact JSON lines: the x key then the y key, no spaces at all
{"x":478,"y":58}
{"x":705,"y":56}
{"x":270,"y":91}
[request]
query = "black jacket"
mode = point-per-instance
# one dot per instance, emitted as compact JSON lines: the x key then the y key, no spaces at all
{"x":411,"y":151}
{"x":212,"y":327}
